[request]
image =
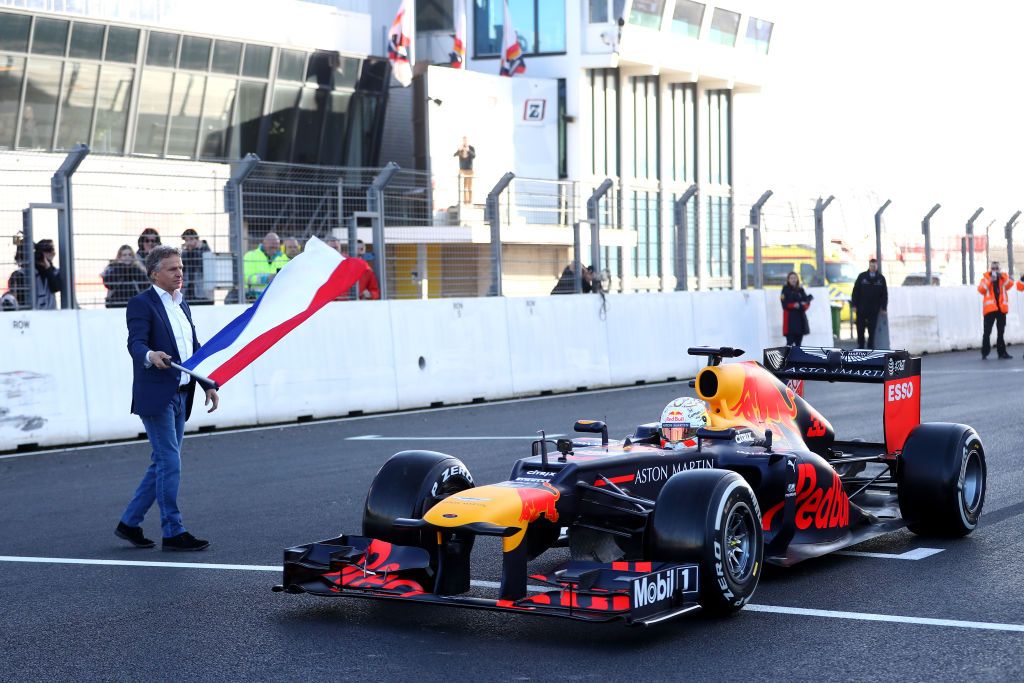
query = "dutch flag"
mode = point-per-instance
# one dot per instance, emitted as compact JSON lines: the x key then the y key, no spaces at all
{"x":302,"y":287}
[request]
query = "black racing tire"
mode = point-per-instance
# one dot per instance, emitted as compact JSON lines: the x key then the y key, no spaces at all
{"x":710,"y":518}
{"x":942,"y":479}
{"x":407,"y":485}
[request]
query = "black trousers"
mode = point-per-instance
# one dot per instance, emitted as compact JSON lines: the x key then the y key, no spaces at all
{"x":999,"y":318}
{"x":869,"y":320}
{"x":794,"y":339}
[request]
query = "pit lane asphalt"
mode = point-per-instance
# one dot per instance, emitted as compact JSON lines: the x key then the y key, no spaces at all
{"x":252,"y":493}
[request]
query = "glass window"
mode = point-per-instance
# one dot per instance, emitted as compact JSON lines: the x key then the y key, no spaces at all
{"x":14,"y":31}
{"x":320,"y":69}
{"x":214,"y":130}
{"x":307,"y":131}
{"x":151,"y":122}
{"x":40,"y":112}
{"x":162,"y":50}
{"x":226,"y":57}
{"x":122,"y":44}
{"x":77,"y":102}
{"x":687,"y":17}
{"x":550,"y":27}
{"x":724,"y":26}
{"x":598,"y":11}
{"x":346,"y":75}
{"x":759,"y":34}
{"x":186,"y":108}
{"x":282,"y":122}
{"x":112,"y":97}
{"x":257,"y":61}
{"x":248,"y":116}
{"x":195,"y":53}
{"x":647,"y":13}
{"x":12,"y":69}
{"x":50,"y":37}
{"x":435,"y":15}
{"x":86,"y":41}
{"x":291,"y":65}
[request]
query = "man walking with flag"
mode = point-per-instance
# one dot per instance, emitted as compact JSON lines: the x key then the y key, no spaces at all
{"x":512,"y":61}
{"x":160,"y":331}
{"x":401,"y":51}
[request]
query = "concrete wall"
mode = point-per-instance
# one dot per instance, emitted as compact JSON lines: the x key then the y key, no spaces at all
{"x":65,"y":376}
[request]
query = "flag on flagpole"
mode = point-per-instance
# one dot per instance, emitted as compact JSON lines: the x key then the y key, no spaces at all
{"x":400,"y":45}
{"x":458,"y":55}
{"x":512,"y":61}
{"x":301,"y":288}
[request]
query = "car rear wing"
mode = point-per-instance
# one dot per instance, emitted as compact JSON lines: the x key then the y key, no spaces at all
{"x":898,"y":371}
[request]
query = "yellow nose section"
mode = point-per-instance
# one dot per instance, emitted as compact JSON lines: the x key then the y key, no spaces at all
{"x":511,"y":503}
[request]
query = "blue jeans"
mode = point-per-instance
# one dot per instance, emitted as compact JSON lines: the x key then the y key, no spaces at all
{"x":160,"y":483}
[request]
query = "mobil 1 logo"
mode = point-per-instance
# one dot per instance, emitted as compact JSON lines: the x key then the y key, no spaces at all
{"x":662,"y":590}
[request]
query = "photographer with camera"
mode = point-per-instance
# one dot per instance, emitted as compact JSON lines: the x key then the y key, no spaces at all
{"x":795,"y":302}
{"x":47,"y":278}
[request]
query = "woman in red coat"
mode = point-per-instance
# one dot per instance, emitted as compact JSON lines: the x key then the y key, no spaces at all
{"x":795,"y":302}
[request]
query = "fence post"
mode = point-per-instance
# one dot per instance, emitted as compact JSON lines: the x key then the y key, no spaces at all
{"x":493,"y":216}
{"x":375,"y":205}
{"x":683,"y":238}
{"x":233,"y":205}
{"x":926,"y":230}
{"x":878,"y":232}
{"x":60,"y":193}
{"x":819,"y":239}
{"x":593,"y":217}
{"x":576,"y":259}
{"x":755,"y":223}
{"x":29,"y":256}
{"x":963,"y":260}
{"x":970,"y":241}
{"x":1009,"y":242}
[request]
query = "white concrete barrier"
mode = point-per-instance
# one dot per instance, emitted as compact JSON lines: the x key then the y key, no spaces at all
{"x":65,"y":377}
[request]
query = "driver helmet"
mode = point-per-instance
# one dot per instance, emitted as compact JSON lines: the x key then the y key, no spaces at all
{"x":682,"y":418}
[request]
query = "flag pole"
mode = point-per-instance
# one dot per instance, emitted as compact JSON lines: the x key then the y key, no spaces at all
{"x":205,"y":381}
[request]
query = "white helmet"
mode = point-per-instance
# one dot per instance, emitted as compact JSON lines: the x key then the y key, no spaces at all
{"x":682,"y":418}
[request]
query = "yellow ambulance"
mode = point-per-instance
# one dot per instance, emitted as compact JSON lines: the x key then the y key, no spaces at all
{"x":780,"y":260}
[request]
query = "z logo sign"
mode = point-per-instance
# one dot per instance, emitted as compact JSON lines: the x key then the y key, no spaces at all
{"x":533,"y":110}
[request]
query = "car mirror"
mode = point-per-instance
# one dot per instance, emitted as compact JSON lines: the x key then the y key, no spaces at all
{"x":593,"y":427}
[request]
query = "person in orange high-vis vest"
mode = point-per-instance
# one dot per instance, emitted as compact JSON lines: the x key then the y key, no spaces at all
{"x":995,"y":288}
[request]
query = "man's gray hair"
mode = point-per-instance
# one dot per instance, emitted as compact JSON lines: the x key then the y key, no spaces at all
{"x":159,"y":253}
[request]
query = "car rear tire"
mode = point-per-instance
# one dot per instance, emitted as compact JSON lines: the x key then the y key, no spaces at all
{"x":710,"y":518}
{"x":407,"y":485}
{"x":942,"y":475}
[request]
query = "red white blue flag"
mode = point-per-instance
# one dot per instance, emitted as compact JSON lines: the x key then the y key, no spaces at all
{"x":512,"y":61}
{"x":301,"y":288}
{"x":458,"y":55}
{"x":400,"y":45}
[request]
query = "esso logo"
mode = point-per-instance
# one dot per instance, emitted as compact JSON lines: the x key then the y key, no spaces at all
{"x":897,"y":391}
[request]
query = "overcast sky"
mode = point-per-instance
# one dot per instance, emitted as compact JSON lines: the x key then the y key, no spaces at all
{"x":918,"y":101}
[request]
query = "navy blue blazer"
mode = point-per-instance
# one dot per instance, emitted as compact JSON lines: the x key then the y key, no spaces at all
{"x":149,"y":329}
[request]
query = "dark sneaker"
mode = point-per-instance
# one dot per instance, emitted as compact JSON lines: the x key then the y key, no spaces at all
{"x":133,"y":534}
{"x":185,"y":541}
{"x":1005,"y":356}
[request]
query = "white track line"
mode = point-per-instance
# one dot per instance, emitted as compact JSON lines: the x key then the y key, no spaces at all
{"x":378,"y":437}
{"x":915,"y":554}
{"x":375,"y":416}
{"x":771,"y":609}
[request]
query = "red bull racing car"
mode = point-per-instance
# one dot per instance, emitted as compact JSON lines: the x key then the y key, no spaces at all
{"x":661,"y":523}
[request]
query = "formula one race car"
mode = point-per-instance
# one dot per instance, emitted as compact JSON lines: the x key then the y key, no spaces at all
{"x":678,"y":517}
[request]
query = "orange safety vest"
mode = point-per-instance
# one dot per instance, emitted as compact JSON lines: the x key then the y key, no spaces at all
{"x":988,"y":293}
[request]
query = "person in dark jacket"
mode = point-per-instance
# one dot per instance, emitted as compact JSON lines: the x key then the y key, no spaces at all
{"x":149,"y":239}
{"x":869,"y":299}
{"x":47,"y":279}
{"x":192,"y":251}
{"x":123,"y":278}
{"x":567,"y":282}
{"x":795,"y":302}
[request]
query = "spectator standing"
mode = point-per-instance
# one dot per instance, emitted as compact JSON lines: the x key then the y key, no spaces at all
{"x":148,"y":239}
{"x":160,"y":331}
{"x":291,"y":247}
{"x":870,"y":299}
{"x":192,"y":251}
{"x":261,"y":265}
{"x":466,"y":154}
{"x":123,"y":278}
{"x":995,"y":289}
{"x":47,"y":279}
{"x":795,"y":302}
